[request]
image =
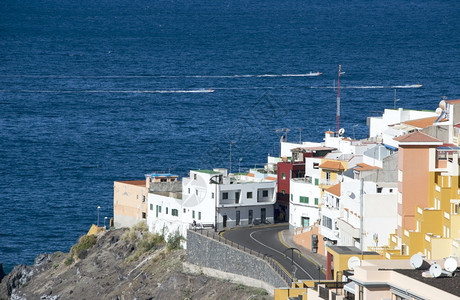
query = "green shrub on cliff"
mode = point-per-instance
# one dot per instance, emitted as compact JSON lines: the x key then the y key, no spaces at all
{"x":84,"y":243}
{"x":174,"y":241}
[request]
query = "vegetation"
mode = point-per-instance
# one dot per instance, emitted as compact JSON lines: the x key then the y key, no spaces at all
{"x":174,"y":241}
{"x":146,"y":241}
{"x":85,"y":242}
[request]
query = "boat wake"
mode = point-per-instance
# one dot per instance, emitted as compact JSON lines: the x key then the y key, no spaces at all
{"x":111,"y":91}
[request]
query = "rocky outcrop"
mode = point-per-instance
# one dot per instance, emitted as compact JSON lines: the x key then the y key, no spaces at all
{"x":119,"y":265}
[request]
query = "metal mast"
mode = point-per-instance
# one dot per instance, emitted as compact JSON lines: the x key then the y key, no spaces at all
{"x":338,"y":99}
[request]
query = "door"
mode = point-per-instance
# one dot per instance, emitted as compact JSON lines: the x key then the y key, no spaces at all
{"x":250,"y":216}
{"x":237,"y":217}
{"x":224,"y":221}
{"x":237,"y":197}
{"x":263,"y":214}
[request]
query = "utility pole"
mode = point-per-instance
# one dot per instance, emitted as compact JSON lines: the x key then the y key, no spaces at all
{"x":395,"y":100}
{"x":300,"y":135}
{"x":230,"y":171}
{"x":338,"y":99}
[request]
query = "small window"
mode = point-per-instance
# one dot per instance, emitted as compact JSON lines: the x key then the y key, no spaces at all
{"x":264,"y":193}
{"x":166,"y":210}
{"x":163,"y":180}
{"x":144,"y":215}
{"x":316,"y":181}
{"x":283,"y":176}
{"x":249,"y":195}
{"x":212,"y":195}
{"x":225,"y":196}
{"x":189,"y":190}
{"x":199,"y":215}
{"x":193,"y":214}
{"x":185,"y":210}
{"x":316,"y":201}
{"x":194,"y":176}
{"x":196,"y":192}
{"x":315,"y":165}
{"x":151,"y":206}
{"x":292,"y":197}
{"x":379,"y":190}
{"x":282,"y":192}
{"x":143,"y":198}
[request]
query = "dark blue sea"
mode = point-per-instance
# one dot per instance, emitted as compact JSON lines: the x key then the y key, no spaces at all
{"x":97,"y":91}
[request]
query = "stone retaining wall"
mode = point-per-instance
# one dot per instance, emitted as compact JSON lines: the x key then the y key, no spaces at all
{"x":208,"y":252}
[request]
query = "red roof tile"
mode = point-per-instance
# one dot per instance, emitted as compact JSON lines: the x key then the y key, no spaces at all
{"x":417,"y":137}
{"x":334,"y":190}
{"x":421,"y":123}
{"x":332,"y":165}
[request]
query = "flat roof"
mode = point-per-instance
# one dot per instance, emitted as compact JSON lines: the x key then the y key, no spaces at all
{"x":447,"y":284}
{"x":206,"y":171}
{"x":134,"y":182}
{"x":351,"y":250}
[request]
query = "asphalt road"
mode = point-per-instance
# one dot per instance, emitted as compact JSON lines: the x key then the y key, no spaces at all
{"x":266,"y":240}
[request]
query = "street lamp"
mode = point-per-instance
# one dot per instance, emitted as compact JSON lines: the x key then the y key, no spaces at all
{"x":354,"y":130}
{"x":292,"y":258}
{"x":98,"y":209}
{"x":105,"y":218}
{"x":230,"y":171}
{"x":239,"y":164}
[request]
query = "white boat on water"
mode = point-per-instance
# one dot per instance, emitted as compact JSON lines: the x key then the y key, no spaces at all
{"x":407,"y":86}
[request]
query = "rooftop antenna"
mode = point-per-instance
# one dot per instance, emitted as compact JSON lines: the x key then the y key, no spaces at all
{"x":396,"y":100}
{"x":338,"y":98}
{"x":284,"y":136}
{"x":300,"y":135}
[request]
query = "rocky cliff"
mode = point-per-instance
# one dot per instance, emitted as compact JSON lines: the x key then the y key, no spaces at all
{"x":118,"y":264}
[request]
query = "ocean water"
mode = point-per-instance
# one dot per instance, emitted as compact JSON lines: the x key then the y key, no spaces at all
{"x":97,"y":91}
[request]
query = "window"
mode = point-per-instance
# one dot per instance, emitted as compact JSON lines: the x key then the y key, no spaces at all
{"x":250,"y":216}
{"x":303,"y":199}
{"x":264,"y":193}
{"x":163,"y":180}
{"x":379,"y":190}
{"x":144,"y":215}
{"x":292,"y":197}
{"x":305,"y":221}
{"x":237,"y":217}
{"x":315,"y":165}
{"x":194,"y":176}
{"x":189,"y":190}
{"x":185,"y":210}
{"x":151,"y":206}
{"x":166,"y":210}
{"x":143,"y":198}
{"x":263,"y":214}
{"x":225,"y":196}
{"x":199,"y":215}
{"x":193,"y":214}
{"x":328,"y":176}
{"x":283,"y":176}
{"x":237,"y":197}
{"x":316,"y":181}
{"x":327,"y":222}
{"x":316,"y":201}
{"x":283,"y":192}
{"x":249,"y":195}
{"x":212,"y":195}
{"x":174,"y":212}
{"x":196,"y":192}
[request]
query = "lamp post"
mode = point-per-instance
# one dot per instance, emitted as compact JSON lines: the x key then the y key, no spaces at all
{"x":239,"y":164}
{"x":230,"y":171}
{"x":105,"y":218}
{"x":98,"y":209}
{"x":354,"y":130}
{"x":292,"y":258}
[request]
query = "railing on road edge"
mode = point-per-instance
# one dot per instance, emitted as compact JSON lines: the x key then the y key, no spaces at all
{"x":271,"y":262}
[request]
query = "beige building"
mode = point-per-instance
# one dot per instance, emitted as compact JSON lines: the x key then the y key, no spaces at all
{"x":130,"y":198}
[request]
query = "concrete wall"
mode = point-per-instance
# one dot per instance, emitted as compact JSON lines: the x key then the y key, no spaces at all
{"x":207,"y":252}
{"x":129,"y":203}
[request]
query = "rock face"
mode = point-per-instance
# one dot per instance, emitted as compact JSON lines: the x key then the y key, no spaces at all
{"x":117,"y":267}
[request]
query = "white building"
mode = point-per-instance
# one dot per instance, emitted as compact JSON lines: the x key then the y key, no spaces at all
{"x":215,"y":199}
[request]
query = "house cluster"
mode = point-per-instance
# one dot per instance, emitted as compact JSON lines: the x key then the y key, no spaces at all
{"x":396,"y":193}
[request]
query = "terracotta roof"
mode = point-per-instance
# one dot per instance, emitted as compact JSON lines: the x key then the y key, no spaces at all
{"x":251,"y":175}
{"x":334,"y":190}
{"x":365,"y":167}
{"x":421,"y":123}
{"x":329,"y":131}
{"x":417,"y":137}
{"x":453,"y":101}
{"x":134,"y":182}
{"x":270,"y":178}
{"x":332,"y":165}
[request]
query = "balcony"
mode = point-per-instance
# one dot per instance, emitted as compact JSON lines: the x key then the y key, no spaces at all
{"x":328,"y":182}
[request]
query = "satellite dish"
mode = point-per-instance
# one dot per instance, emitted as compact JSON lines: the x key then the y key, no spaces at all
{"x":341,"y":131}
{"x":353,"y":262}
{"x":435,"y":270}
{"x":416,"y":261}
{"x":450,"y":264}
{"x":442,"y":104}
{"x":438,"y":111}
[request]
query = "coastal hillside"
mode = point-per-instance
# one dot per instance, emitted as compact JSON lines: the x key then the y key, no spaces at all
{"x":119,"y":264}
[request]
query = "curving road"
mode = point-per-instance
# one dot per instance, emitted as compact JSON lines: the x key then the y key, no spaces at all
{"x":266,"y":240}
